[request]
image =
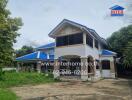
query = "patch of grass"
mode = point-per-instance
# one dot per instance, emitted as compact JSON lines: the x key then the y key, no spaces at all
{"x":6,"y":94}
{"x":17,"y":79}
{"x":11,"y":79}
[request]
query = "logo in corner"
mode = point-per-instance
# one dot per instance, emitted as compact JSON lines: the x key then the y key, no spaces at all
{"x":117,"y":10}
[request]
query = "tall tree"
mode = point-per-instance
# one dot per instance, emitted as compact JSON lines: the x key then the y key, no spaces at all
{"x":24,"y":50}
{"x":128,"y":54}
{"x":121,"y":42}
{"x":8,"y":32}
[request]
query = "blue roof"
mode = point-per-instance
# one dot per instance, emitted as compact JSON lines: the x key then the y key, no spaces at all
{"x":47,"y":46}
{"x":39,"y":55}
{"x":116,"y":7}
{"x":107,"y":53}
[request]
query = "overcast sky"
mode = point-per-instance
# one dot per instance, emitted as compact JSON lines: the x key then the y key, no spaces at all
{"x":41,"y":16}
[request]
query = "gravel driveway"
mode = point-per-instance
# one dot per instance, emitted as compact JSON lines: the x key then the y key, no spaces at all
{"x":107,"y":89}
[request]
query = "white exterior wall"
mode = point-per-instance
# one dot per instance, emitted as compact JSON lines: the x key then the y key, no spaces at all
{"x":81,"y":50}
{"x":92,"y":51}
{"x":97,"y":74}
{"x":106,"y":73}
{"x":78,"y":50}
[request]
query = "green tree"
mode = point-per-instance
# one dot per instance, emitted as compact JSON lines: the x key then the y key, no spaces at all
{"x":121,"y":42}
{"x":128,"y":54}
{"x":8,"y":32}
{"x":24,"y":50}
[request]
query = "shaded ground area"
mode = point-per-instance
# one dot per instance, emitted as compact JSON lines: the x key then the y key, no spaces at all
{"x":107,"y":89}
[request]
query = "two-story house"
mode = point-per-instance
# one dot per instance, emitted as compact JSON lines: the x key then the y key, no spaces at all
{"x":81,"y":48}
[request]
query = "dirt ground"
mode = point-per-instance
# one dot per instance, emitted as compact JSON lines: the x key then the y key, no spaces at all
{"x":107,"y":89}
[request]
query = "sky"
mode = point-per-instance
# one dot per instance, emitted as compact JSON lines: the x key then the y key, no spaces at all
{"x":41,"y":16}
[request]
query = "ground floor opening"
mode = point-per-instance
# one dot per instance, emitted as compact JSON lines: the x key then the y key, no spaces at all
{"x":70,"y":66}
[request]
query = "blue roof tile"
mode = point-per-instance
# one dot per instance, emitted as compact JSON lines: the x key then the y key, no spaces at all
{"x":39,"y":55}
{"x":107,"y":52}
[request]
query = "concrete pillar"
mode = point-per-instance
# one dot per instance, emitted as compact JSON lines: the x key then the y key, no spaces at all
{"x":94,"y":43}
{"x":18,"y":67}
{"x":94,"y":65}
{"x":84,"y":38}
{"x":56,"y":71}
{"x":95,"y":72}
{"x":32,"y":68}
{"x":100,"y":67}
{"x":112,"y":69}
{"x":39,"y":66}
{"x":22,"y":67}
{"x":84,"y":69}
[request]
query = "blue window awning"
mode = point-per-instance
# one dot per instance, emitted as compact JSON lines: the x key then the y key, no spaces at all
{"x":38,"y":55}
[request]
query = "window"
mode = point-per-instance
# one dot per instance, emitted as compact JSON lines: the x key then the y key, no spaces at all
{"x":105,"y":64}
{"x":89,"y":40}
{"x":69,"y":40}
{"x":62,"y":41}
{"x":76,"y":39}
{"x":96,"y":44}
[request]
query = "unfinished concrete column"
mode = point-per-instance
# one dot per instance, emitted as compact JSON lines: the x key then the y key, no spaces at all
{"x":18,"y":67}
{"x":97,"y":71}
{"x":112,"y":69}
{"x":100,"y":67}
{"x":56,"y":71}
{"x":84,"y":69}
{"x":22,"y":67}
{"x":94,"y":65}
{"x":39,"y":66}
